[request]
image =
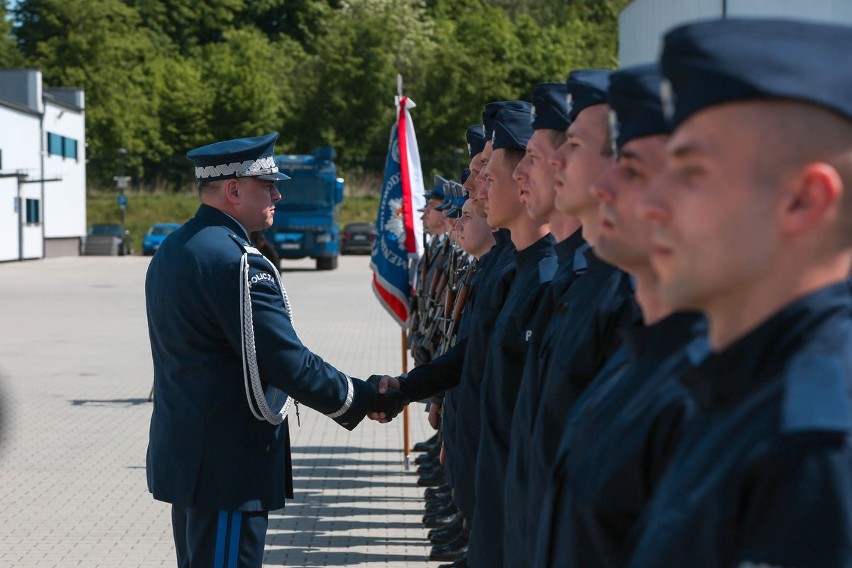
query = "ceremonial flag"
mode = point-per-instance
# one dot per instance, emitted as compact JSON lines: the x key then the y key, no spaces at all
{"x":399,"y":238}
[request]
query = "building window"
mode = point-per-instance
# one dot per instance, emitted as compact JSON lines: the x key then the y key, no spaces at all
{"x":69,"y":148}
{"x":33,"y":212}
{"x":61,"y":146}
{"x":54,"y":144}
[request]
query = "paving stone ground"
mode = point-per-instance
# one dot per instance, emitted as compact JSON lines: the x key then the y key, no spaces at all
{"x":75,"y":373}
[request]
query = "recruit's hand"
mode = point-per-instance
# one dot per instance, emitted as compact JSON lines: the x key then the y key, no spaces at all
{"x":388,"y":400}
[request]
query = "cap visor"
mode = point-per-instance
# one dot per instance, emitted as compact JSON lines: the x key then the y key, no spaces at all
{"x":278,"y":176}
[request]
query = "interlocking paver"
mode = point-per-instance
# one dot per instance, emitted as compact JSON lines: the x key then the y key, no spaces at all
{"x":75,"y":372}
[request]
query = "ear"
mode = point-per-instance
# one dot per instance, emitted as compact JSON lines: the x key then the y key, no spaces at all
{"x":232,"y":191}
{"x":814,"y":199}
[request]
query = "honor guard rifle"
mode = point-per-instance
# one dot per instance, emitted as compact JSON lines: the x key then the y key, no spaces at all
{"x":459,"y":304}
{"x":435,"y":299}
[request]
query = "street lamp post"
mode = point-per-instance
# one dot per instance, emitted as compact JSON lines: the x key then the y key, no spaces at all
{"x":121,"y":182}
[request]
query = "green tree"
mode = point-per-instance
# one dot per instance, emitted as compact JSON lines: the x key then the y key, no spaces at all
{"x":347,"y":97}
{"x":189,"y":23}
{"x":245,"y":78}
{"x":9,"y":55}
{"x":101,"y":47}
{"x":297,"y":19}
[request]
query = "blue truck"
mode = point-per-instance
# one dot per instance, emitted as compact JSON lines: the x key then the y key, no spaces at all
{"x":305,"y":223}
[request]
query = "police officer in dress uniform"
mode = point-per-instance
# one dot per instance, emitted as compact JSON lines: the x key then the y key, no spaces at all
{"x":624,"y":427}
{"x":751,"y":226}
{"x":228,"y":364}
{"x":582,"y":334}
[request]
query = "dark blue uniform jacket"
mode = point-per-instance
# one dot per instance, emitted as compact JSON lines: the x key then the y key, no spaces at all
{"x":583,"y":334}
{"x":763,"y":473}
{"x":206,"y":449}
{"x":572,"y":264}
{"x":620,"y":436}
{"x":504,"y":364}
{"x":462,"y":367}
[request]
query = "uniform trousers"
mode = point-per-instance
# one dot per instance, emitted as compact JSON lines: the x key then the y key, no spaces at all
{"x":218,"y":539}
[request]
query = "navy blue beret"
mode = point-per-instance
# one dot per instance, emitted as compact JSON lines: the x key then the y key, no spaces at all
{"x":242,"y":157}
{"x":457,"y":199}
{"x":475,"y":139}
{"x":447,"y":186}
{"x":716,"y":62}
{"x":586,"y":87}
{"x":491,"y":110}
{"x":437,"y":191}
{"x":635,"y":109}
{"x":512,"y":129}
{"x":550,"y":109}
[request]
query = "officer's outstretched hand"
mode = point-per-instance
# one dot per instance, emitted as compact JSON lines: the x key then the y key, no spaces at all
{"x":388,"y":401}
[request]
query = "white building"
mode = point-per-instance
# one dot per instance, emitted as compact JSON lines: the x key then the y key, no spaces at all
{"x":42,"y":168}
{"x":642,"y":23}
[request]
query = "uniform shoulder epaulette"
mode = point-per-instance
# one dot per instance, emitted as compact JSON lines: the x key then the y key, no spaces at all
{"x":580,"y":262}
{"x":547,"y":268}
{"x":816,"y":395}
{"x":244,"y":245}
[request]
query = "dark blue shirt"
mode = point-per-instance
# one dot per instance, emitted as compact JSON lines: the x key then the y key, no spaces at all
{"x":507,"y":350}
{"x":763,"y":474}
{"x":620,"y":436}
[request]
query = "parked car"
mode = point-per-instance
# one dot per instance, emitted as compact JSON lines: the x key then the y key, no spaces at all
{"x":107,"y":239}
{"x":155,"y":236}
{"x":357,"y":237}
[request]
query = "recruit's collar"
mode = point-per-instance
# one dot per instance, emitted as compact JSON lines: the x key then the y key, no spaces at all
{"x":762,"y":354}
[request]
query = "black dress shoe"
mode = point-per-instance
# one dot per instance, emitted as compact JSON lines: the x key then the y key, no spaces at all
{"x":432,"y":479}
{"x":443,"y":512}
{"x":441,"y":519}
{"x":451,"y":551}
{"x":446,"y":534}
{"x":431,"y":455}
{"x":433,"y":505}
{"x":428,"y":467}
{"x":460,"y":563}
{"x":425,"y":445}
{"x":433,"y":492}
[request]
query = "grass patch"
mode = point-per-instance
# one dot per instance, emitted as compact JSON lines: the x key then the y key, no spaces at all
{"x":146,"y":209}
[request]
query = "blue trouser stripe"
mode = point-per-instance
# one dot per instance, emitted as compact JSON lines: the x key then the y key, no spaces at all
{"x":234,"y":539}
{"x":221,"y":537}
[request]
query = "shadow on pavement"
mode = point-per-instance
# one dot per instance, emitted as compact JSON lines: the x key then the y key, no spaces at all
{"x":109,"y":402}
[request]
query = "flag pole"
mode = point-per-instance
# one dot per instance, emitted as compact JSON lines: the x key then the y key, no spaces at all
{"x":406,"y":427}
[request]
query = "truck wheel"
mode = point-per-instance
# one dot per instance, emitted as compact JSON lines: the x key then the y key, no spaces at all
{"x":327,"y":263}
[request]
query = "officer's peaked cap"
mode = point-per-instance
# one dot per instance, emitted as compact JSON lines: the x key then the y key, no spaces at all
{"x":491,"y":110}
{"x":241,"y":157}
{"x":715,"y":62}
{"x":586,"y":87}
{"x":550,"y":109}
{"x":512,"y":129}
{"x":475,"y":139}
{"x":635,"y":109}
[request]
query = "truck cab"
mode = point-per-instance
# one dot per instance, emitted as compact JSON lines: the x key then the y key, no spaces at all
{"x":305,"y":223}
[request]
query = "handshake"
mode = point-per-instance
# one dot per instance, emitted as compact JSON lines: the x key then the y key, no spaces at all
{"x":388,"y":400}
